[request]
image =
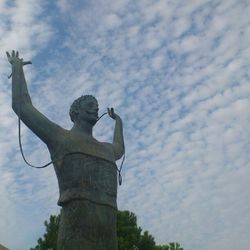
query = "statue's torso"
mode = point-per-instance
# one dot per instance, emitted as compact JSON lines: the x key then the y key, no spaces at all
{"x":85,"y":170}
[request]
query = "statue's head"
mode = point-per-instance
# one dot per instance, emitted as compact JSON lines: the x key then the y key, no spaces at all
{"x":84,"y":108}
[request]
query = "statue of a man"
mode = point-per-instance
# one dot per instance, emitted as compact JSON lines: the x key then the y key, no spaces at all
{"x":85,"y":168}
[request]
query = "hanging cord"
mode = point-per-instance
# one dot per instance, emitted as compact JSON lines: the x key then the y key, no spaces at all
{"x":21,"y":148}
{"x":120,"y":169}
{"x":51,"y":162}
{"x":19,"y":127}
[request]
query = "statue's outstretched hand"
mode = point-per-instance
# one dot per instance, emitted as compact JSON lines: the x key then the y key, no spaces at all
{"x":14,"y":58}
{"x":112,"y":113}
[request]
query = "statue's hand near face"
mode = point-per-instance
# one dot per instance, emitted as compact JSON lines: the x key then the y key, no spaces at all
{"x":14,"y":59}
{"x":112,"y":113}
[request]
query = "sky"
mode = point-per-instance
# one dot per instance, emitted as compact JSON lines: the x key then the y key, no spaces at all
{"x":177,"y":72}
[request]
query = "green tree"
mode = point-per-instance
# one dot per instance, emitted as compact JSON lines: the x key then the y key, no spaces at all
{"x":146,"y":242}
{"x":128,"y":233}
{"x":49,"y":241}
{"x":174,"y":246}
{"x":163,"y":247}
{"x":170,"y":246}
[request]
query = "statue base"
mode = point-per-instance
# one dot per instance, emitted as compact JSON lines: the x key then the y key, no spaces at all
{"x":85,"y":225}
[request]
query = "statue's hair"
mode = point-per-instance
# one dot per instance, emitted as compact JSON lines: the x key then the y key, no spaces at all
{"x":75,"y":106}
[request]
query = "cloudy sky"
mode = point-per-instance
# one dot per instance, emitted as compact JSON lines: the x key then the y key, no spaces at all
{"x":176,"y":71}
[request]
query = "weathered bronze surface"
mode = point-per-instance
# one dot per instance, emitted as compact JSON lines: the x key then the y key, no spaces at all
{"x":85,"y":168}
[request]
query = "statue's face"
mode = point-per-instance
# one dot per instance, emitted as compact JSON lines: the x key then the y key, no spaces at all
{"x":89,"y":111}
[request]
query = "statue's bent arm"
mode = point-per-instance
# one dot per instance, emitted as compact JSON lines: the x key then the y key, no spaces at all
{"x":118,"y":141}
{"x":22,"y":105}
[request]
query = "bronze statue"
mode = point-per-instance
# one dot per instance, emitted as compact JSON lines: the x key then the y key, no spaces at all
{"x":85,"y":168}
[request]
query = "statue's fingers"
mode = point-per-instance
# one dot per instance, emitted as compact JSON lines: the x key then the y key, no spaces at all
{"x":111,"y":112}
{"x":17,"y":54}
{"x":13,"y":53}
{"x":8,"y":54}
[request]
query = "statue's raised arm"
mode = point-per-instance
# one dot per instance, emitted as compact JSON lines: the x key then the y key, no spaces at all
{"x":22,"y":104}
{"x":118,"y":141}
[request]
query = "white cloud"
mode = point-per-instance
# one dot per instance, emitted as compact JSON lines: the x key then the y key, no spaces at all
{"x":112,"y":21}
{"x":177,"y":73}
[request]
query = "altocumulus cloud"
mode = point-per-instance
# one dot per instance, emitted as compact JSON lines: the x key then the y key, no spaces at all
{"x":177,"y":73}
